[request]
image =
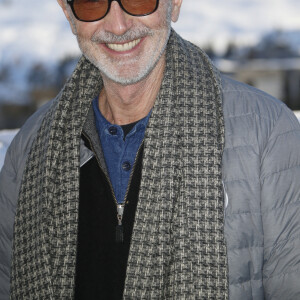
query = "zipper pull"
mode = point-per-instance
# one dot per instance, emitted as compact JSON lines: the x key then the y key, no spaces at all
{"x":119,"y":227}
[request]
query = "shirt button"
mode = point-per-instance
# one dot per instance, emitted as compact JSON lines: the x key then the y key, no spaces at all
{"x":126,"y":166}
{"x":112,"y":130}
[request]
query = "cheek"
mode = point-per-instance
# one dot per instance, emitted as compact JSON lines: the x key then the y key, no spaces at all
{"x":155,"y":22}
{"x":158,"y":19}
{"x":86,"y":30}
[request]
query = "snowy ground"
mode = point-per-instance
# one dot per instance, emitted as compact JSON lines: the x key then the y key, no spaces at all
{"x":6,"y":137}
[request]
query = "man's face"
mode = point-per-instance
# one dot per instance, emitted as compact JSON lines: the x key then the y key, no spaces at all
{"x":126,"y":48}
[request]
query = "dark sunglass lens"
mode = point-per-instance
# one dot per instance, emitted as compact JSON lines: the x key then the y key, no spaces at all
{"x":139,"y":7}
{"x":90,"y":10}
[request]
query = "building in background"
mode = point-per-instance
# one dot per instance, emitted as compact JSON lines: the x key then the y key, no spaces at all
{"x":272,"y":66}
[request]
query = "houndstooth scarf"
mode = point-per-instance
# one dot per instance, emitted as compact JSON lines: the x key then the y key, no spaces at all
{"x":178,"y":249}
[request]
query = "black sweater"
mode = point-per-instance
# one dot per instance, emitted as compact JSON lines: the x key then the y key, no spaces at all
{"x":101,"y":262}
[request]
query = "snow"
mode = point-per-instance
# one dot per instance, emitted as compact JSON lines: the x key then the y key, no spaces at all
{"x":6,"y":137}
{"x":297,"y":113}
{"x":38,"y":29}
{"x":244,"y":22}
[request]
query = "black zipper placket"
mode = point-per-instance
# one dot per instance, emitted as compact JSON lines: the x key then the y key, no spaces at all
{"x":120,"y":206}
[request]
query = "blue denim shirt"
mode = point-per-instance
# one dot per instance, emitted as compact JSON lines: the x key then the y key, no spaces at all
{"x":119,"y":153}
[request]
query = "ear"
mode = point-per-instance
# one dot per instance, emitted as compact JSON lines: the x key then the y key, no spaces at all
{"x":176,"y":9}
{"x":67,"y":11}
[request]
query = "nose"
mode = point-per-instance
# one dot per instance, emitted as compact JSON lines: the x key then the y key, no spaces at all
{"x":117,"y":21}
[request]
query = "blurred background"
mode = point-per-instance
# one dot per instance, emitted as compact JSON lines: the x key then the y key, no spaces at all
{"x":254,"y":41}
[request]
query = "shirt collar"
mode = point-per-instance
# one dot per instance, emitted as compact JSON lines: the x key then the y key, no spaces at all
{"x":104,"y":125}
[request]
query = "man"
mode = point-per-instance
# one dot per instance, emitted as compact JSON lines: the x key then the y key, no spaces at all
{"x":150,"y":176}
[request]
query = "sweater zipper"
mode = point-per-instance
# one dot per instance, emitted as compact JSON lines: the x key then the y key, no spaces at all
{"x":131,"y":174}
{"x":120,"y":206}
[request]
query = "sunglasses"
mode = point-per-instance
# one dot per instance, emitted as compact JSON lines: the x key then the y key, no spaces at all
{"x":94,"y":10}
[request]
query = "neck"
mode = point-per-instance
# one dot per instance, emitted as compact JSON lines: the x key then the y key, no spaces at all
{"x":126,"y":104}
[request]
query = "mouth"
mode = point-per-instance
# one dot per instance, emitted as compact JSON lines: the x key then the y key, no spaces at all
{"x":124,"y":47}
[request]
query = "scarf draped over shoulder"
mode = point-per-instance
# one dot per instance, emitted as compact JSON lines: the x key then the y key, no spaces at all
{"x":178,"y":248}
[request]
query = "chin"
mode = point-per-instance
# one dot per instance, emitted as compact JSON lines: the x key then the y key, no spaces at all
{"x":124,"y":80}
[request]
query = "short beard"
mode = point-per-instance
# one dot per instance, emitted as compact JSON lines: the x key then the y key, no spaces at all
{"x":133,"y":34}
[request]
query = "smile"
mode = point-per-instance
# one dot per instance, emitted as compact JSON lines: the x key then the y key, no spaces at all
{"x":123,"y":47}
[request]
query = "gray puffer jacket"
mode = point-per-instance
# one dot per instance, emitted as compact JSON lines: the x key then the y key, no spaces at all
{"x":261,"y":176}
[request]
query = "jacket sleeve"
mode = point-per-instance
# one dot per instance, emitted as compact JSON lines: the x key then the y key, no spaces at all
{"x":280,"y":206}
{"x":9,"y":183}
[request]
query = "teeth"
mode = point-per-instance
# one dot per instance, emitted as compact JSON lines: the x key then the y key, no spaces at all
{"x":123,"y":47}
